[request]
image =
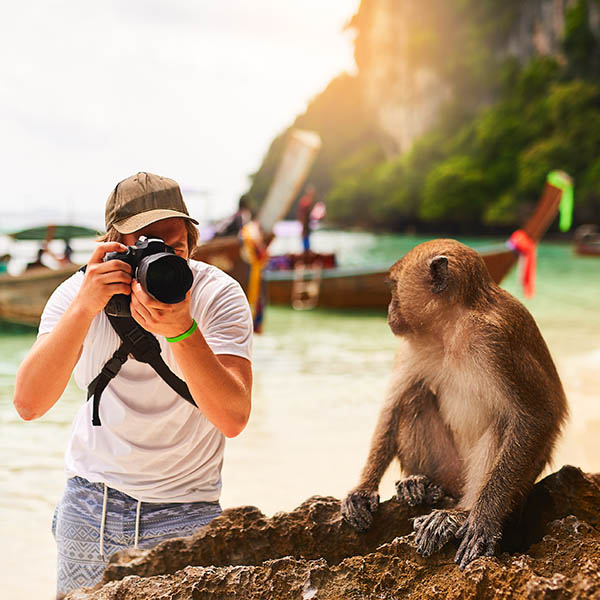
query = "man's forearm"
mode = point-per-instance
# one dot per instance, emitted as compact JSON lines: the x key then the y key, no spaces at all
{"x":221,"y":393}
{"x":43,"y":375}
{"x":45,"y":372}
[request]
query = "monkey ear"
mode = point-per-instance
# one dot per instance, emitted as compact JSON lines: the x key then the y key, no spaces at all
{"x":438,"y":268}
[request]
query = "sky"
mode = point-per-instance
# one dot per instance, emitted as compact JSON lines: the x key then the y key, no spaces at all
{"x":195,"y":90}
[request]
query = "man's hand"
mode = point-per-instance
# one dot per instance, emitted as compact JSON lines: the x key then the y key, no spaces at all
{"x":169,"y":320}
{"x":103,"y":280}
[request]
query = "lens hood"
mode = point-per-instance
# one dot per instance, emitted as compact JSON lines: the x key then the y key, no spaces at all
{"x":165,"y":276}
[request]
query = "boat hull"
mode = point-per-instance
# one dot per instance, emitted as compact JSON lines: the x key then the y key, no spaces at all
{"x":337,"y":289}
{"x":588,"y":249}
{"x":23,"y":297}
{"x":587,"y":240}
{"x":362,"y":288}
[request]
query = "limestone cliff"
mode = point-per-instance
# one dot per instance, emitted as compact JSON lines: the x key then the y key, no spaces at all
{"x":408,"y":52}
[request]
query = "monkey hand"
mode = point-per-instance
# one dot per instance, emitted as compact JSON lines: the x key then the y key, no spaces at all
{"x":358,"y":508}
{"x":418,"y":489}
{"x":436,"y":528}
{"x":479,"y":538}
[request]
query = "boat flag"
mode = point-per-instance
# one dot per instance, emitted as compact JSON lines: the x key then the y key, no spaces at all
{"x":522,"y":243}
{"x":564,"y":183}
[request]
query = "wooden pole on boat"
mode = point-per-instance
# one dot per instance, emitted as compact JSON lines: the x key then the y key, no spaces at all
{"x":298,"y":157}
{"x":500,"y":263}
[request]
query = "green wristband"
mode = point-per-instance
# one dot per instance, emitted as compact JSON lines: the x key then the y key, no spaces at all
{"x":185,"y":334}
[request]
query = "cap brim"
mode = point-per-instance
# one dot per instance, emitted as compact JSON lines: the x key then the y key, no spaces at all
{"x":141,"y":220}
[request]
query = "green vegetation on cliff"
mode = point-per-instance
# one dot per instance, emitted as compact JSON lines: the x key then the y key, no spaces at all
{"x":485,"y":161}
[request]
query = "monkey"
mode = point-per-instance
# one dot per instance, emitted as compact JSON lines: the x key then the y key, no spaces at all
{"x":474,"y":407}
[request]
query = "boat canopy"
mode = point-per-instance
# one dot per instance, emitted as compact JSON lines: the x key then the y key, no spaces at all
{"x":54,"y":232}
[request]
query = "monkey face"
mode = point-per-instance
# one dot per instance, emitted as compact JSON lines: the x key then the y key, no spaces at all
{"x":396,"y":321}
{"x":411,"y":290}
{"x":404,"y":289}
{"x":409,"y":293}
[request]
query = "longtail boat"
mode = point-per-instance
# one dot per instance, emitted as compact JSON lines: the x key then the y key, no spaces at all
{"x":315,"y":285}
{"x":23,"y":296}
{"x":587,"y":240}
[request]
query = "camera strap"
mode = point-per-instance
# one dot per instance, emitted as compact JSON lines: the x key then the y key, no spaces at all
{"x":144,"y":347}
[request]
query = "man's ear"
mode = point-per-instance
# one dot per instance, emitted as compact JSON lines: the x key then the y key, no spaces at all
{"x":438,"y":268}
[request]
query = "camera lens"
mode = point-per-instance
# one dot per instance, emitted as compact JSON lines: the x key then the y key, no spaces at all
{"x":165,"y":276}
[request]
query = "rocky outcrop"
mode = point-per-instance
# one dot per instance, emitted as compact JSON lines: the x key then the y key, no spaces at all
{"x":550,"y":550}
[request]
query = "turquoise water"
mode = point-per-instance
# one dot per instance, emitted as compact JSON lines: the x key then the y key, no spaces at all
{"x":319,"y":379}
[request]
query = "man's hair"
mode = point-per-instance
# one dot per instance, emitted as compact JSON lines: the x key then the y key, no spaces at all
{"x":112,"y":235}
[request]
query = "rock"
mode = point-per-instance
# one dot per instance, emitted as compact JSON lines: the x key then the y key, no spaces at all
{"x":566,"y":492}
{"x":312,"y":552}
{"x":244,"y":536}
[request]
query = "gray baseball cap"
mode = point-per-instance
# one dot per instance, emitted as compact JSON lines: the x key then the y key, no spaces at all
{"x":143,"y":199}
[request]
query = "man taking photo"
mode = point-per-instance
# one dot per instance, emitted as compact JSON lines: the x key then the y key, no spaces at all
{"x":143,"y":465}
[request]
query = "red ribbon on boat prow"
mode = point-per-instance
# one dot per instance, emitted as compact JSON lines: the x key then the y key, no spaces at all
{"x":521,"y":242}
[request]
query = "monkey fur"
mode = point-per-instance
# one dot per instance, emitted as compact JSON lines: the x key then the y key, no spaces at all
{"x":474,"y":407}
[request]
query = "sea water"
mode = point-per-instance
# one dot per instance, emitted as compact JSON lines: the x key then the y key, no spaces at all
{"x":320,"y":377}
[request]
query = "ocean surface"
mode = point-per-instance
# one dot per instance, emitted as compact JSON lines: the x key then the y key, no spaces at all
{"x":320,"y":377}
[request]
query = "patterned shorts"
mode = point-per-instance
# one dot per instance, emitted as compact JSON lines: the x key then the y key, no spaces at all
{"x":77,"y":525}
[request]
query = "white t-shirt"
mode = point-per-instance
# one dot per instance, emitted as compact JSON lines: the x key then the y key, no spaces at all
{"x":152,"y":444}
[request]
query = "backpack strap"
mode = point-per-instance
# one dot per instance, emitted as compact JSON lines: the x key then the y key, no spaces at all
{"x":144,"y":347}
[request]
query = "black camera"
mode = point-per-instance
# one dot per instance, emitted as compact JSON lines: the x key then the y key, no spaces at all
{"x":162,"y":274}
